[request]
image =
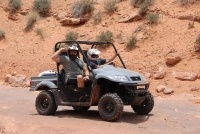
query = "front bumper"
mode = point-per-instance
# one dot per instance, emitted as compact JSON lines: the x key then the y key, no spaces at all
{"x":136,"y":93}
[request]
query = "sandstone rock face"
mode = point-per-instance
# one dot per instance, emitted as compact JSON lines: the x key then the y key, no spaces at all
{"x":190,"y":76}
{"x":73,"y":21}
{"x":131,"y":17}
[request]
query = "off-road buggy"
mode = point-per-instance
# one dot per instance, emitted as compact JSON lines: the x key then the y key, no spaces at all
{"x":110,"y":88}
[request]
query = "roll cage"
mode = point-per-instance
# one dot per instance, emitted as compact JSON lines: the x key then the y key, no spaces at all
{"x":93,"y":45}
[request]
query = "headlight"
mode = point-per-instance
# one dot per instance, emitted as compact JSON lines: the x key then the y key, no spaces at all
{"x":120,"y":77}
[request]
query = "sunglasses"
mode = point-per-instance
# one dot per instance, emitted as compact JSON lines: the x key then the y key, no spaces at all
{"x":94,"y":56}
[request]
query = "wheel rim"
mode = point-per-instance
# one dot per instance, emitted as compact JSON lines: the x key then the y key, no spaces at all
{"x":108,"y":108}
{"x":44,"y":104}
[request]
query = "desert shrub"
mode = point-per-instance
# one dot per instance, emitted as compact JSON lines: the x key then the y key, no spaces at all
{"x":131,"y":42}
{"x":106,"y":36}
{"x":71,"y":36}
{"x":2,"y":34}
{"x":143,"y":9}
{"x":110,"y":5}
{"x":191,"y":25}
{"x":152,"y":18}
{"x":42,"y":6}
{"x":137,"y":3}
{"x":198,"y":41}
{"x":97,"y":17}
{"x":14,"y":5}
{"x":39,"y":32}
{"x":31,"y":19}
{"x":81,"y":7}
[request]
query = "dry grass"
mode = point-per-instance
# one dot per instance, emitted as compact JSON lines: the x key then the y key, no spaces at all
{"x":31,"y":19}
{"x":2,"y":34}
{"x":131,"y":43}
{"x":81,"y":7}
{"x":97,"y":17}
{"x":14,"y":5}
{"x":43,"y":7}
{"x":71,"y":36}
{"x":152,"y":18}
{"x":110,"y":5}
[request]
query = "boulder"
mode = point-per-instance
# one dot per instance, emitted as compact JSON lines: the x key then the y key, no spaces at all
{"x":13,"y":16}
{"x":159,"y":74}
{"x":17,"y":80}
{"x":160,"y":88}
{"x":190,"y":76}
{"x":168,"y":91}
{"x":131,"y":17}
{"x":172,"y":59}
{"x":73,"y":21}
{"x":7,"y":77}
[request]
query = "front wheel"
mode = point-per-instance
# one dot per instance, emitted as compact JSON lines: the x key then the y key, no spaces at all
{"x":146,"y":106}
{"x":110,"y":107}
{"x":45,"y":103}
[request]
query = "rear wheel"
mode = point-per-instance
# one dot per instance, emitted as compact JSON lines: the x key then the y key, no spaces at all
{"x":81,"y":108}
{"x":146,"y":106}
{"x":45,"y":103}
{"x":110,"y":107}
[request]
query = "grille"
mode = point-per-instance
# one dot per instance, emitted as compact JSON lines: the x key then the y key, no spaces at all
{"x":137,"y":78}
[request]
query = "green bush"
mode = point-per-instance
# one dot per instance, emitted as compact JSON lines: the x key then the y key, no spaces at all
{"x":131,"y":42}
{"x":2,"y":34}
{"x":43,"y":7}
{"x":152,"y":18}
{"x":14,"y":5}
{"x":110,"y":5}
{"x":71,"y":36}
{"x":31,"y":19}
{"x":97,"y":17}
{"x":81,"y":7}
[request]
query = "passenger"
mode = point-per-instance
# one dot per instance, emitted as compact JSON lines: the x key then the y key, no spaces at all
{"x":73,"y":66}
{"x":95,"y":61}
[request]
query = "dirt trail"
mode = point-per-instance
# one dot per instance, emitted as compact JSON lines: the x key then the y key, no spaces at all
{"x":174,"y":114}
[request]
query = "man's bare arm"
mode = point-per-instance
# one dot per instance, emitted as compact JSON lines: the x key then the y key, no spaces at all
{"x":55,"y":57}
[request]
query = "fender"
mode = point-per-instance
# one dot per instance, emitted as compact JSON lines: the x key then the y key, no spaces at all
{"x":42,"y":86}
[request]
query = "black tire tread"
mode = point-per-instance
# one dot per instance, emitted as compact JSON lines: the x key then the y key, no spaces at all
{"x":51,"y":109}
{"x":144,"y":110}
{"x":119,"y":108}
